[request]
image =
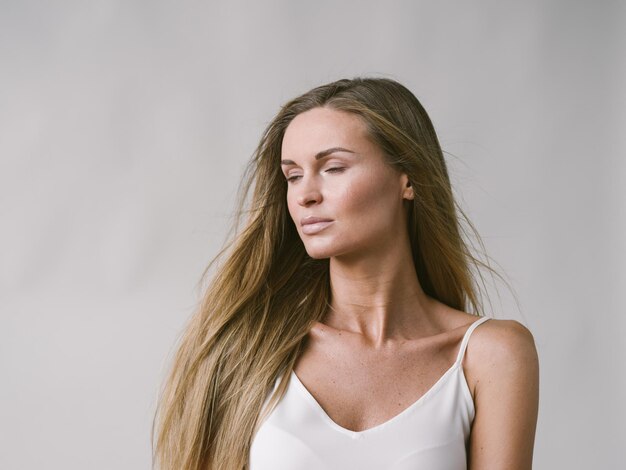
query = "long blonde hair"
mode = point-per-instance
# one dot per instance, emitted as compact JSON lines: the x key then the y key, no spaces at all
{"x":253,"y":319}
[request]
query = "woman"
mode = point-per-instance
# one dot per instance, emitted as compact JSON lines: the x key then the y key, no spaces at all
{"x":335,"y":335}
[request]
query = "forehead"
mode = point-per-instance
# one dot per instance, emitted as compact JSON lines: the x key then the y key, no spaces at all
{"x":323,"y":127}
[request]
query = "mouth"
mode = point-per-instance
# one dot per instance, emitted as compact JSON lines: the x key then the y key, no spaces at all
{"x":311,"y":228}
{"x":313,"y":220}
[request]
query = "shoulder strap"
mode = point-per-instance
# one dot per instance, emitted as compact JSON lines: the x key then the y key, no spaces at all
{"x":466,"y":337}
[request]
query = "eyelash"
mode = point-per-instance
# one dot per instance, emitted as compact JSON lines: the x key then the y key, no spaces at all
{"x":338,"y":168}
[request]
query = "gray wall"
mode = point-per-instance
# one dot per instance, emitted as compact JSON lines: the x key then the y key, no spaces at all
{"x":124,"y":130}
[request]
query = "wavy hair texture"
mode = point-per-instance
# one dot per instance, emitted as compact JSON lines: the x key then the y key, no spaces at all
{"x":251,"y":323}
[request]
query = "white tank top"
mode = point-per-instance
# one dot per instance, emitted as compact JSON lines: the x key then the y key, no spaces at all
{"x":431,"y":434}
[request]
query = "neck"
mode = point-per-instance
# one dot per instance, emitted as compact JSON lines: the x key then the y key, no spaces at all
{"x":379,"y":298}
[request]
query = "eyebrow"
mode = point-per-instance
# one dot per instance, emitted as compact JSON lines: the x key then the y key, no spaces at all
{"x":319,"y":155}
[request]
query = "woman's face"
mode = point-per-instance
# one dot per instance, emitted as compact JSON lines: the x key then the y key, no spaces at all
{"x":336,"y":172}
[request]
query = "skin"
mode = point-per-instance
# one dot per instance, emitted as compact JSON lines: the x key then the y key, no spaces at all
{"x":382,"y":333}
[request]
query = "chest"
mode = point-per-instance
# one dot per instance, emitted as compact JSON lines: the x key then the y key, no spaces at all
{"x":360,"y":389}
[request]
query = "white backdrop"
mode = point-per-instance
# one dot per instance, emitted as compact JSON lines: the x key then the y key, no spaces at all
{"x":124,"y":130}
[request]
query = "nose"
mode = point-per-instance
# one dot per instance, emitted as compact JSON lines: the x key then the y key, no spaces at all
{"x":309,"y":193}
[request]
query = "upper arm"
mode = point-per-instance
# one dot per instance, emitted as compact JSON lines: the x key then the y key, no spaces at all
{"x":505,"y":371}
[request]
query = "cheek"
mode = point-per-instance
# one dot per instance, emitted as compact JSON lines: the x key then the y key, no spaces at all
{"x":367,"y":198}
{"x":291,"y":207}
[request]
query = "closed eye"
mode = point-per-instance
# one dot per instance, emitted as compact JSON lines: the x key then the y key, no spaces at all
{"x":337,"y":169}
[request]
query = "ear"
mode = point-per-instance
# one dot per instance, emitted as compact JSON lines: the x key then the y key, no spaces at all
{"x":407,"y":188}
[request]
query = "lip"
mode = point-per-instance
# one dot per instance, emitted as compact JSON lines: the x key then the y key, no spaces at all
{"x":313,"y":220}
{"x":311,"y":228}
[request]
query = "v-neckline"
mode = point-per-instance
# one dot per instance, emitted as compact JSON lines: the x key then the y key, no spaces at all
{"x":378,"y":427}
{"x":437,"y":385}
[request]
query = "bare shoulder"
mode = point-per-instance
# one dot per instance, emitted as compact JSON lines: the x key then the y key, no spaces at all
{"x":503,"y":333}
{"x":502,"y":370}
{"x":497,"y":347}
{"x":505,"y":339}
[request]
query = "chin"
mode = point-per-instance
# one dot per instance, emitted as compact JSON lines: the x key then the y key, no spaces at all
{"x":321,"y":251}
{"x":318,"y":254}
{"x":324,"y":250}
